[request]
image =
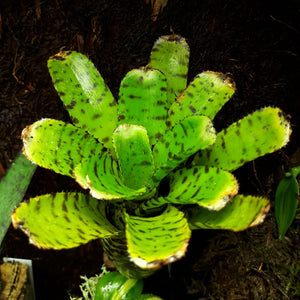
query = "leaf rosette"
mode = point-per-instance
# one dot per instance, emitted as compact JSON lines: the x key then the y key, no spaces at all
{"x":153,"y":162}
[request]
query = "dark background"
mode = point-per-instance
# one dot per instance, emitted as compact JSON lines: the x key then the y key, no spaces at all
{"x":257,"y":42}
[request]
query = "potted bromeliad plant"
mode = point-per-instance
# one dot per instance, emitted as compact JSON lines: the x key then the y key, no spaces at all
{"x":155,"y":167}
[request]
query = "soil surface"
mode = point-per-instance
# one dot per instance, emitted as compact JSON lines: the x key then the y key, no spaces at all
{"x":257,"y":42}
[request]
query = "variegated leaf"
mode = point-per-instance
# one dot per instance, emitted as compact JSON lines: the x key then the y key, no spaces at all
{"x":101,"y":175}
{"x":257,"y":134}
{"x":205,"y":95}
{"x":184,"y":139}
{"x":57,"y":145}
{"x":239,"y":214}
{"x":156,"y":241}
{"x":63,"y":220}
{"x":134,"y":155}
{"x":143,"y":101}
{"x":85,"y":94}
{"x":170,"y":55}
{"x":208,"y":187}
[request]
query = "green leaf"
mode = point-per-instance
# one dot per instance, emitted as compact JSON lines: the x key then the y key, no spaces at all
{"x":116,"y":249}
{"x":180,"y":142}
{"x":134,"y":155}
{"x":63,"y":220}
{"x":170,"y":55}
{"x":143,"y":101}
{"x":101,"y":175}
{"x":12,"y":189}
{"x":157,"y":241}
{"x":286,"y":203}
{"x":239,"y":214}
{"x":115,"y":286}
{"x":85,"y":94}
{"x":257,"y":134}
{"x":148,"y":297}
{"x":208,"y":187}
{"x":205,"y":95}
{"x":58,"y":146}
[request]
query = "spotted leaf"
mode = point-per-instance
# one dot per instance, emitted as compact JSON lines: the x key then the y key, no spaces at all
{"x":257,"y":134}
{"x":156,"y":241}
{"x":209,"y":187}
{"x":101,"y":175}
{"x":170,"y":55}
{"x":58,"y":146}
{"x":85,"y":94}
{"x":205,"y":95}
{"x":143,"y":101}
{"x":184,"y":139}
{"x":134,"y":155}
{"x":63,"y":220}
{"x":239,"y":214}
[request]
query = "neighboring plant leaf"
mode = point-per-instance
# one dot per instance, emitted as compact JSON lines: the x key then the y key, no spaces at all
{"x":184,"y":139}
{"x":143,"y":101}
{"x":117,"y":251}
{"x":115,"y":286}
{"x":286,"y":203}
{"x":85,"y":94}
{"x":239,"y":214}
{"x":63,"y":220}
{"x":12,"y":189}
{"x":134,"y":155}
{"x":156,"y":241}
{"x":257,"y":134}
{"x":57,"y":145}
{"x":208,"y":187}
{"x":205,"y":95}
{"x":170,"y":55}
{"x":101,"y":175}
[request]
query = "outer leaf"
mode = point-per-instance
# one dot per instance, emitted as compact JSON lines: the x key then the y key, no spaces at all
{"x":262,"y":132}
{"x":58,"y":146}
{"x":100,"y":174}
{"x":12,"y":189}
{"x":286,"y":202}
{"x":134,"y":155}
{"x":205,"y":95}
{"x":184,"y":139}
{"x":240,"y":214}
{"x":116,"y":249}
{"x":208,"y":187}
{"x":115,"y":286}
{"x":157,"y":241}
{"x":143,"y":101}
{"x":63,"y":220}
{"x":85,"y":94}
{"x":170,"y":55}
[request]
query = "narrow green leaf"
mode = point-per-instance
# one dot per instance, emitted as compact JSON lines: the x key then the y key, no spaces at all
{"x":63,"y":220}
{"x":239,"y":214}
{"x":257,"y":134}
{"x":134,"y":155}
{"x":115,"y":286}
{"x":101,"y":175}
{"x":286,"y":203}
{"x":85,"y":94}
{"x":157,"y":241}
{"x":184,"y":139}
{"x":12,"y":189}
{"x":143,"y":101}
{"x":170,"y":55}
{"x":208,"y":187}
{"x":57,"y":145}
{"x":148,"y":297}
{"x":205,"y":95}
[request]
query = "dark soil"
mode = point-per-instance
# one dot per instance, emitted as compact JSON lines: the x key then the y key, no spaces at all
{"x":257,"y":42}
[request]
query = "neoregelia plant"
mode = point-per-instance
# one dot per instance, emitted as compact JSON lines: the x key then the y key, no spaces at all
{"x":135,"y":156}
